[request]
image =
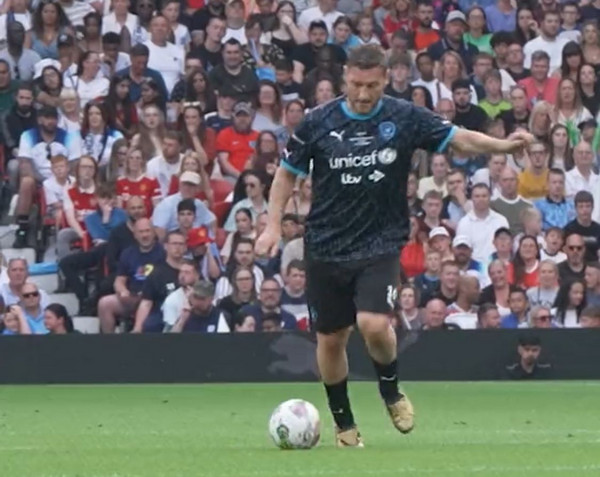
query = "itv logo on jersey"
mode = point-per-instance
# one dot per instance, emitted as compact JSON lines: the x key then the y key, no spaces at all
{"x":349,"y":179}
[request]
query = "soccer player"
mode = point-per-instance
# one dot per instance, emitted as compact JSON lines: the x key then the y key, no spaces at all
{"x":360,"y":146}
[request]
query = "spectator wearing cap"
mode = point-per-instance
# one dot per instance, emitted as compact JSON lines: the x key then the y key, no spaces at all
{"x":582,"y":176}
{"x":463,"y":251}
{"x":454,"y":30}
{"x":204,"y":252}
{"x":325,"y":11}
{"x":139,"y":71}
{"x":399,"y":84}
{"x":584,"y":225}
{"x":269,"y":301}
{"x":120,"y":18}
{"x":21,"y":60}
{"x":236,"y":144}
{"x":255,"y":200}
{"x":468,"y":114}
{"x":199,"y":315}
{"x":13,"y":122}
{"x":439,"y":240}
{"x":234,"y":72}
{"x":481,"y":223}
{"x":36,"y":147}
{"x":164,"y":216}
{"x":135,"y":264}
{"x":305,"y":54}
{"x":508,"y":202}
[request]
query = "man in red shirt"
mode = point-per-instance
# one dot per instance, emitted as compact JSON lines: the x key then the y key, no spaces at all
{"x":425,"y":35}
{"x":236,"y":144}
{"x":539,"y":86}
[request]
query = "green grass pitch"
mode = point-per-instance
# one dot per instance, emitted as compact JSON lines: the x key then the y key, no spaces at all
{"x":463,"y":429}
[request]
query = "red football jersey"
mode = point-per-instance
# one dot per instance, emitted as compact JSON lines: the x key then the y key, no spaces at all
{"x":84,"y":204}
{"x":146,"y":188}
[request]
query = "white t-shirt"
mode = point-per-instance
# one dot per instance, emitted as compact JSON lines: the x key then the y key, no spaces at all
{"x":168,"y":60}
{"x":554,"y":48}
{"x":32,"y":146}
{"x":99,"y":147}
{"x":182,"y":35}
{"x":239,"y":34}
{"x":163,"y":171}
{"x":311,"y":14}
{"x":110,"y":24}
{"x":90,"y":90}
{"x":54,"y":192}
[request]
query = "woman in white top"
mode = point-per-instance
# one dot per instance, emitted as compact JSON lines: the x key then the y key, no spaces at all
{"x":569,"y":303}
{"x":180,"y":33}
{"x":97,"y":137}
{"x":545,"y":294}
{"x":70,"y":114}
{"x":120,"y":18}
{"x":88,"y":84}
{"x":255,"y":199}
{"x":152,"y":132}
{"x":569,"y":110}
{"x":244,"y":228}
{"x":437,"y":180}
{"x":451,"y":68}
{"x":269,"y":110}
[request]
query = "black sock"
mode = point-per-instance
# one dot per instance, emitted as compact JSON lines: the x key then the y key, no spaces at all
{"x":23,"y":223}
{"x":387,"y":375}
{"x":337,"y":395}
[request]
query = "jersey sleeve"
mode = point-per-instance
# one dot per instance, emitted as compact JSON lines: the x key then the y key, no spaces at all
{"x":25,"y":145}
{"x":432,"y":132}
{"x":297,"y":153}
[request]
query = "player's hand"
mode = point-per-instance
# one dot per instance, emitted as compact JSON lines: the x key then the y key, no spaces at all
{"x":267,"y":244}
{"x":518,"y":141}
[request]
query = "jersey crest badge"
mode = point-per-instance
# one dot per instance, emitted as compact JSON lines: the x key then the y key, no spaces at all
{"x":387,"y":156}
{"x":387,"y":130}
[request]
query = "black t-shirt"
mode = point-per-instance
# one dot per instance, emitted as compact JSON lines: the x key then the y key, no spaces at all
{"x":511,"y":122}
{"x":591,"y":237}
{"x":360,"y":168}
{"x":567,"y":275}
{"x":244,"y":84}
{"x":201,"y":17}
{"x":591,"y":103}
{"x":519,"y":76}
{"x":210,"y":59}
{"x":307,"y":53}
{"x":539,"y":371}
{"x":290,"y":91}
{"x":230,"y":308}
{"x":163,"y":280}
{"x":406,"y":94}
{"x":474,"y":119}
{"x":216,"y":122}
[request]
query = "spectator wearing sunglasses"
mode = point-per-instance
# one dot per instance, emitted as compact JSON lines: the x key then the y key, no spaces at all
{"x":36,"y":147}
{"x":540,"y":317}
{"x":255,"y":200}
{"x":573,"y":268}
{"x":31,"y":303}
{"x":18,"y":273}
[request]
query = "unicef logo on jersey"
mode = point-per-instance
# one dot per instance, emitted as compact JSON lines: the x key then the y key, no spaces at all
{"x":387,"y":156}
{"x":387,"y":130}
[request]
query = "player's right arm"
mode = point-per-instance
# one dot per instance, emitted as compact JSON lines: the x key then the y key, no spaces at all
{"x":295,"y":163}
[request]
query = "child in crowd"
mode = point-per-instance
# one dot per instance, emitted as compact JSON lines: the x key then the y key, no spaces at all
{"x":426,"y":283}
{"x":180,"y":33}
{"x":503,"y":241}
{"x":554,"y":239}
{"x":56,"y":186}
{"x":365,"y":28}
{"x":284,"y":72}
{"x":531,"y":218}
{"x":493,"y":104}
{"x":15,"y":322}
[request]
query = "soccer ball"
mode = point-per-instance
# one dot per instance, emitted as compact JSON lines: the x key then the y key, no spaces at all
{"x":295,"y":424}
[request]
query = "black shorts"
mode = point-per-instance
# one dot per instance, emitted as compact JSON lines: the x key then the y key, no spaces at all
{"x":337,"y":291}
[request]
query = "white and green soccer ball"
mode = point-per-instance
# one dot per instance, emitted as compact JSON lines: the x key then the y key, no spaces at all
{"x":295,"y":424}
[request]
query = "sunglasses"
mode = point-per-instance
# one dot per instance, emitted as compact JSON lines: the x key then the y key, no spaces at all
{"x":31,"y":294}
{"x":575,"y":248}
{"x":544,"y":318}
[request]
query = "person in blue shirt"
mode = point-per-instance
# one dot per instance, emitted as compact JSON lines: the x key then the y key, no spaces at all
{"x":32,"y":309}
{"x":138,"y":71}
{"x":269,"y":302}
{"x":106,"y":218}
{"x":519,"y":305}
{"x":14,"y":322}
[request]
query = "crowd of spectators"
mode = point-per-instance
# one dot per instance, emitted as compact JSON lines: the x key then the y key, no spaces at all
{"x":148,"y":132}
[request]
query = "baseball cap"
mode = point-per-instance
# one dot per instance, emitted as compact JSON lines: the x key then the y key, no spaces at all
{"x":42,"y":64}
{"x":462,"y":240}
{"x":242,"y":108}
{"x":190,"y":177}
{"x":203,"y":289}
{"x":438,"y":232}
{"x":588,"y":123}
{"x":48,"y":112}
{"x":65,"y":40}
{"x":198,"y":236}
{"x":456,"y":15}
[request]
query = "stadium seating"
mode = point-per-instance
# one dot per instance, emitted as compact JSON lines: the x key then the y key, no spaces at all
{"x":87,"y":325}
{"x":69,"y":300}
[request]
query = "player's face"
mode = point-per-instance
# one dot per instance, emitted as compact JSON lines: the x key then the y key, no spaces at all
{"x":364,"y":88}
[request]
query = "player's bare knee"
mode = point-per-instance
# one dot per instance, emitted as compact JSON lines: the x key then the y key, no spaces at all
{"x":373,"y":325}
{"x":333,"y":341}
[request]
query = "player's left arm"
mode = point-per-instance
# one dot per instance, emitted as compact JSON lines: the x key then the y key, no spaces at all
{"x":468,"y":143}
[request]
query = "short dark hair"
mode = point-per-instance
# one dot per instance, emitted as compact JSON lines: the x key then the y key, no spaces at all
{"x":139,"y":50}
{"x":461,"y":83}
{"x":232,"y":42}
{"x":171,"y":233}
{"x":317,"y":25}
{"x":105,"y":191}
{"x":593,"y":311}
{"x":583,"y":197}
{"x":529,"y":339}
{"x":502,"y":231}
{"x":284,"y":64}
{"x":272,"y":316}
{"x":25,"y":86}
{"x":297,"y":264}
{"x":549,"y":12}
{"x":186,"y":204}
{"x":400,"y":59}
{"x":173,"y":135}
{"x":111,"y":38}
{"x":290,"y":217}
{"x":366,"y":57}
{"x":556,"y":171}
{"x":595,"y":265}
{"x":501,"y":37}
{"x":484,"y":308}
{"x":540,"y":55}
{"x":481,"y":185}
{"x":518,"y":290}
